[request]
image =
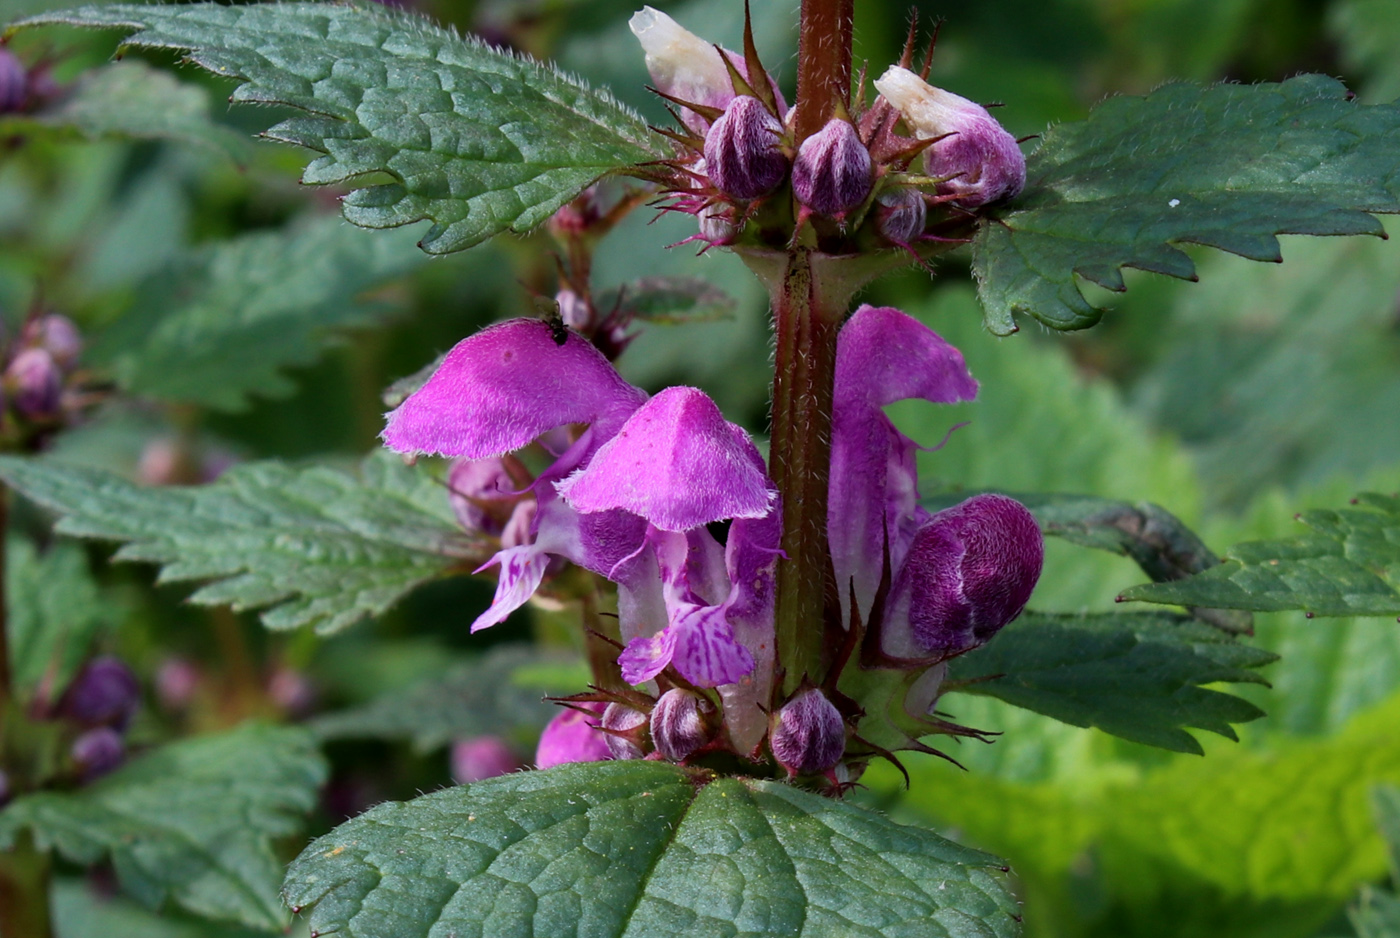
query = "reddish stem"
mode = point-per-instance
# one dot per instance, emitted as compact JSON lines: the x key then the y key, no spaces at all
{"x":823,"y":62}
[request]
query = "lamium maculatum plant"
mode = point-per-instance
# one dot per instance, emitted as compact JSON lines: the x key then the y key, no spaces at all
{"x":770,"y":614}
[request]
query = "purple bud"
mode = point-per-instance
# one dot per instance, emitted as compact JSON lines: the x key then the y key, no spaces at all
{"x":628,"y":728}
{"x":681,"y":723}
{"x":980,"y":161}
{"x":97,"y":752}
{"x":808,"y":735}
{"x":715,"y":225}
{"x":34,"y":383}
{"x":480,"y":758}
{"x":572,"y":736}
{"x":899,"y":215}
{"x":58,"y":335}
{"x":14,"y":83}
{"x":104,"y":693}
{"x":969,"y":571}
{"x":482,"y":493}
{"x":177,"y":681}
{"x":292,"y":692}
{"x":742,"y":157}
{"x":833,"y":170}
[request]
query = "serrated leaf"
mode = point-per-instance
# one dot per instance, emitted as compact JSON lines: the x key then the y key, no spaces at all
{"x":54,"y":613}
{"x":132,"y":100}
{"x":1349,"y":564}
{"x":477,"y":140}
{"x":1135,"y":675}
{"x":669,"y":300}
{"x":222,"y":322}
{"x":321,"y":546}
{"x":191,"y":822}
{"x":489,"y":696}
{"x":1228,"y":166}
{"x":642,"y":849}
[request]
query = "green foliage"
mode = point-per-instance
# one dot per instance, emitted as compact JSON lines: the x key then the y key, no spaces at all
{"x":1184,"y":164}
{"x":1348,"y":565}
{"x":1377,"y":914}
{"x":641,"y":849}
{"x":1135,"y":675}
{"x":1280,"y":376}
{"x":1368,"y":32}
{"x":192,"y":822}
{"x":1267,"y":842}
{"x":491,"y":696}
{"x":54,"y":612}
{"x":669,"y":300}
{"x":476,"y":140}
{"x":80,"y":911}
{"x":133,"y":100}
{"x":322,"y":546}
{"x":222,"y":321}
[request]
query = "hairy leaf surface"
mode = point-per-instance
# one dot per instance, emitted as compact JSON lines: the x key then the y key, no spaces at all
{"x":642,"y":849}
{"x":477,"y":140}
{"x":1348,"y":564}
{"x":1135,"y":675}
{"x":192,"y":821}
{"x":1228,"y":166}
{"x":322,"y":546}
{"x":222,"y":322}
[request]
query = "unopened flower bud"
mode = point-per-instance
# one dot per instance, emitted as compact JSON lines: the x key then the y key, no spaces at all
{"x":97,"y":752}
{"x":482,"y":494}
{"x":742,"y":156}
{"x":574,"y":310}
{"x":177,"y":681}
{"x":833,"y":170}
{"x":715,"y":225}
{"x":969,"y":571}
{"x":681,"y":723}
{"x":628,"y":731}
{"x":34,"y":383}
{"x":808,"y":735}
{"x":687,"y":67}
{"x":56,"y":334}
{"x":292,"y":692}
{"x":104,"y":693}
{"x":980,"y":160}
{"x":14,"y":83}
{"x":573,"y":736}
{"x":482,"y":757}
{"x":576,"y":217}
{"x":900,"y":213}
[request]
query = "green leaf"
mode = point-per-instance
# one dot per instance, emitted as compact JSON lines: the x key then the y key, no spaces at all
{"x":1349,"y":564}
{"x":477,"y":140}
{"x":641,"y":849}
{"x":491,"y":696}
{"x":322,"y":546}
{"x":1377,"y":915}
{"x":133,"y":100}
{"x":55,"y":611}
{"x":221,"y":322}
{"x":1228,"y":166}
{"x":1135,"y":675}
{"x":82,"y":910}
{"x":192,"y":822}
{"x":669,"y":300}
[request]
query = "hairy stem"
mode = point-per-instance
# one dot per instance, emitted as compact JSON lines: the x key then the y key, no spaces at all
{"x":823,"y":62}
{"x":806,"y":323}
{"x":24,"y":891}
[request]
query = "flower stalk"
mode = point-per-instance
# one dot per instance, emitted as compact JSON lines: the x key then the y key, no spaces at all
{"x":823,"y":62}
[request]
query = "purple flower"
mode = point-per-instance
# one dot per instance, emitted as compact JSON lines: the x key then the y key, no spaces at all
{"x":573,"y":736}
{"x":104,"y":693}
{"x":742,"y":157}
{"x":97,"y":752}
{"x":481,"y":757}
{"x":808,"y":735}
{"x":969,"y":571}
{"x":979,"y":161}
{"x":833,"y":171}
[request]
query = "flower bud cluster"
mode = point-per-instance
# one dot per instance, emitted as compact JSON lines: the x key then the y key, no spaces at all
{"x":905,"y":169}
{"x":38,"y":370}
{"x":98,"y":704}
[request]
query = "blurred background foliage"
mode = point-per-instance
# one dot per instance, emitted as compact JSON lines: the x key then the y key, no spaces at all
{"x":151,"y":219}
